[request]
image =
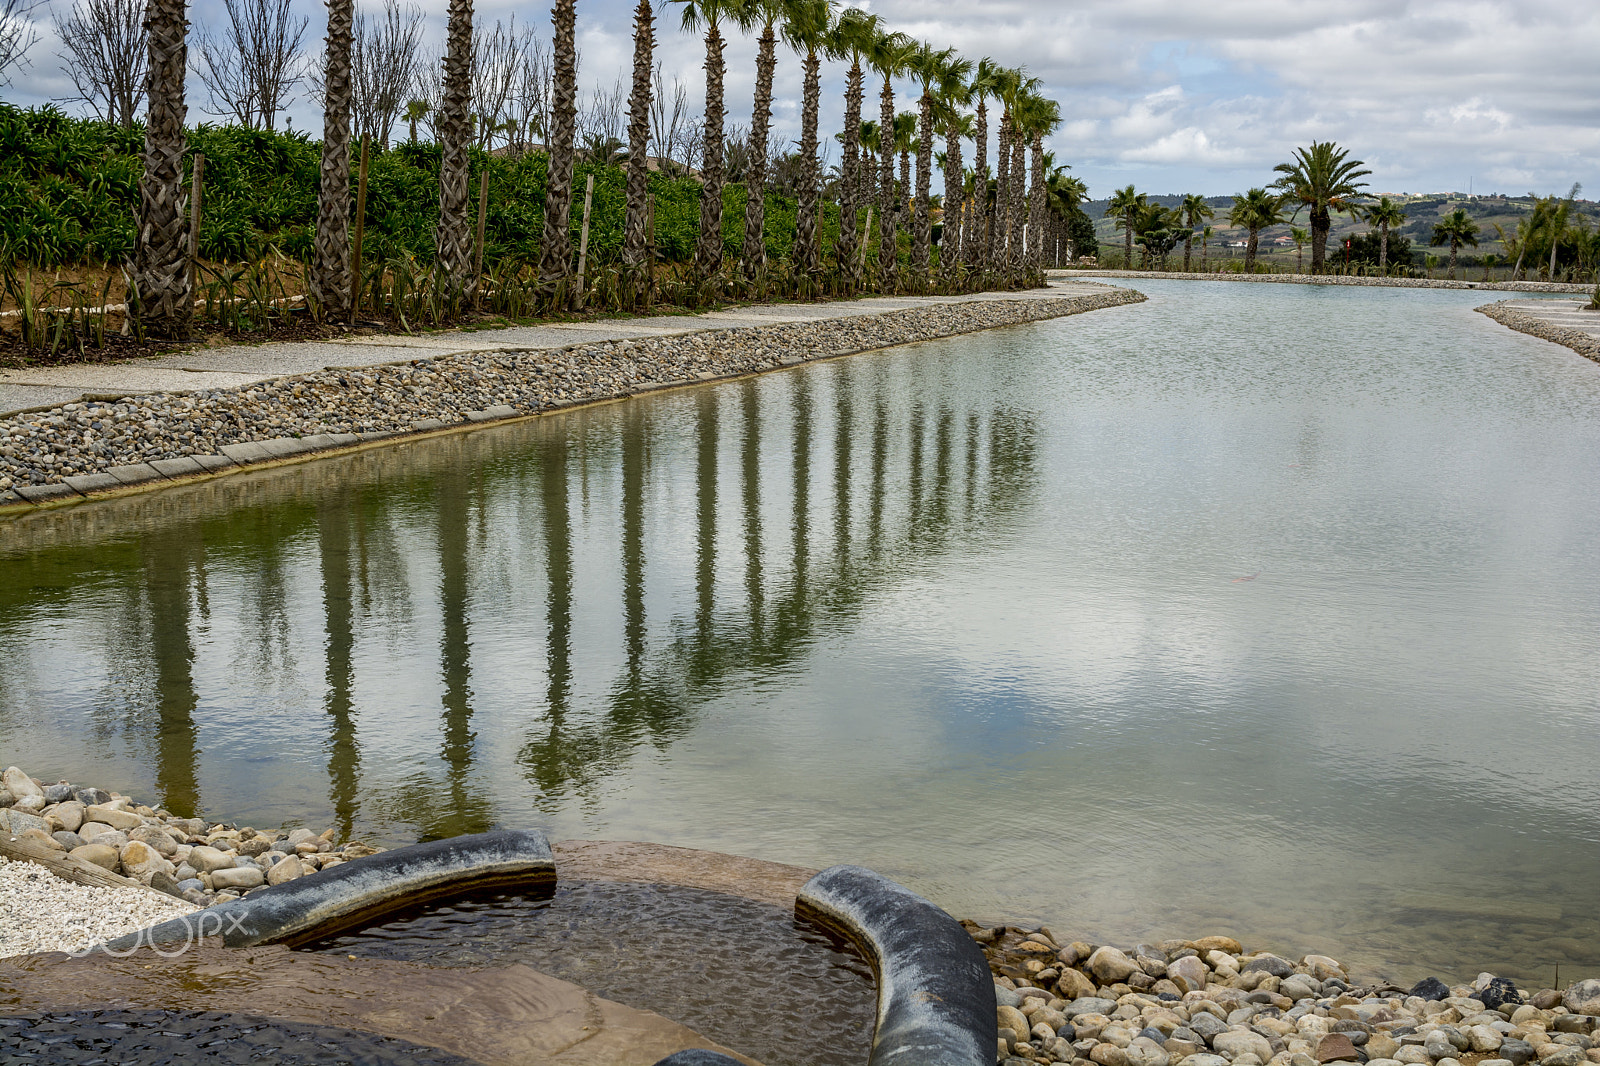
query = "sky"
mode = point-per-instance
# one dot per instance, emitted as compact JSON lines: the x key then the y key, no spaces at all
{"x":1174,"y":96}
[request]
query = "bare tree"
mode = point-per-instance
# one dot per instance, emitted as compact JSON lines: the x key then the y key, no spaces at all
{"x":529,"y":104}
{"x":385,"y":60}
{"x":17,"y":35}
{"x":498,"y":65}
{"x":669,"y":118}
{"x":251,"y":68}
{"x":600,"y":121}
{"x":104,"y":54}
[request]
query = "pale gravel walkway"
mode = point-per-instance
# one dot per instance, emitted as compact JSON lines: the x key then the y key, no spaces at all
{"x":41,"y":912}
{"x":1325,"y":279}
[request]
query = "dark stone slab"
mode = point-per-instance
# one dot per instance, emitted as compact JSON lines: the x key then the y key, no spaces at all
{"x":87,"y":483}
{"x":182,"y":466}
{"x":135,"y":473}
{"x":936,"y":1003}
{"x":357,"y":893}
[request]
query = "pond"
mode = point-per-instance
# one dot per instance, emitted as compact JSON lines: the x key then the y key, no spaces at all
{"x":1254,"y":609}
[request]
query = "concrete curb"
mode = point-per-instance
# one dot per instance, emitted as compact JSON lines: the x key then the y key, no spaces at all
{"x":1583,"y":343}
{"x":935,"y":992}
{"x":245,"y":456}
{"x":356,"y":893}
{"x":1332,"y":279}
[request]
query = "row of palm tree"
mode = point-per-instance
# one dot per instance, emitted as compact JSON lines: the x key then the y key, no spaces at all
{"x":994,"y":230}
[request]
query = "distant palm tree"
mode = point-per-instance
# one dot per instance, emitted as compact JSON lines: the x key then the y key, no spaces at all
{"x":765,"y":15}
{"x":851,"y":39}
{"x":330,"y":263}
{"x":953,"y":96}
{"x":1205,"y":242}
{"x":555,"y":260}
{"x":1027,"y":89}
{"x":1195,"y":210}
{"x":807,"y":27}
{"x":1383,"y":214}
{"x":1008,"y":84}
{"x":1125,"y":205}
{"x":416,"y":111}
{"x":889,"y":55}
{"x":1255,"y":211}
{"x":1456,"y":228}
{"x":1065,"y":194}
{"x":161,"y":237}
{"x":985,"y":81}
{"x":453,"y":236}
{"x":932,"y":68}
{"x":1322,"y":179}
{"x":708,"y":249}
{"x":1301,"y":238}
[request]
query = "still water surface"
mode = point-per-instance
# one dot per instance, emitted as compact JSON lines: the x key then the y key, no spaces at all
{"x":1268,"y":610}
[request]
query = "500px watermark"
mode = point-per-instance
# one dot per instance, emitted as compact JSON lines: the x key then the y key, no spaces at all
{"x":170,"y":939}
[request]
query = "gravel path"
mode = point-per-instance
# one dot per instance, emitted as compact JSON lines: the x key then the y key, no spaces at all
{"x":1331,"y":279}
{"x":41,"y":912}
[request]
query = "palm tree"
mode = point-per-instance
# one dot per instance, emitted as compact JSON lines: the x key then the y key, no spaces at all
{"x":985,"y":82}
{"x":953,"y":95}
{"x":1021,"y":90}
{"x":1322,"y":179}
{"x":1126,"y":204}
{"x":1041,"y":117}
{"x":1301,"y":238}
{"x":330,"y":264}
{"x":932,"y":68}
{"x":1008,"y":82}
{"x":708,"y":250}
{"x":851,"y":38}
{"x":1065,"y":193}
{"x":749,"y":14}
{"x":1205,"y":243}
{"x":416,"y":111}
{"x":807,"y":28}
{"x":161,"y":241}
{"x":636,"y":264}
{"x":1255,"y":211}
{"x":1195,"y":210}
{"x":555,"y":260}
{"x":1456,"y":228}
{"x":1383,"y":214}
{"x":452,"y":237}
{"x":889,"y":55}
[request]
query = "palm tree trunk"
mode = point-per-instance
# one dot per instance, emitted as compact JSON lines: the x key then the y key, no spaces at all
{"x":1019,"y":175}
{"x":849,"y":186}
{"x":954,"y":220}
{"x":1454,"y":245}
{"x":1002,"y":194}
{"x":1204,"y":248}
{"x":977,"y":226}
{"x":1250,"y":250}
{"x":708,"y":252}
{"x":921,"y":217}
{"x":555,"y":260}
{"x":1036,"y":209}
{"x":807,"y":254}
{"x":886,"y":190}
{"x":452,"y":238}
{"x":161,"y":245}
{"x":1383,"y":248}
{"x":1188,"y":242}
{"x":330,"y":267}
{"x":635,"y":238}
{"x":755,"y":205}
{"x":1320,"y":224}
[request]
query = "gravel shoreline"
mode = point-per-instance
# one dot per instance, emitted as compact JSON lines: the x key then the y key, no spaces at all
{"x":81,"y":448}
{"x":1336,"y":279}
{"x":1579,"y":341}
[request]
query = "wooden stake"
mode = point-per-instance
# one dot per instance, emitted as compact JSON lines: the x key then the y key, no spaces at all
{"x":483,"y":219}
{"x":583,"y":243}
{"x":194,"y":224}
{"x":650,"y":253}
{"x":361,"y":228}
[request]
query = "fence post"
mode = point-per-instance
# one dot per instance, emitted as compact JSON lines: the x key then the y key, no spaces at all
{"x":361,"y":230}
{"x":477,"y":254}
{"x":583,"y":243}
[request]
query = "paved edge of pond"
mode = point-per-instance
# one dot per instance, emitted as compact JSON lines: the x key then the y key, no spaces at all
{"x":1564,"y":322}
{"x":162,"y":438}
{"x":1329,"y":279}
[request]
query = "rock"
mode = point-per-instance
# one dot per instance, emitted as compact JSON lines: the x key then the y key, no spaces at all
{"x":1518,"y":1051}
{"x":1108,"y":1055}
{"x":140,"y":861}
{"x":1322,"y":967}
{"x":1110,"y":965}
{"x":20,"y":785}
{"x":206,"y":859}
{"x":101,"y":855}
{"x":301,"y":836}
{"x":90,"y":830}
{"x":1496,"y":992}
{"x":1204,"y":1059}
{"x":1089,"y":1005}
{"x":1006,"y":997}
{"x":240,"y":877}
{"x":15,"y":822}
{"x":91,"y":797}
{"x":1218,"y":943}
{"x":1297,"y":987}
{"x":1209,"y":1026}
{"x":69,"y":814}
{"x":43,"y":839}
{"x":1430,"y":988}
{"x":1144,"y":1051}
{"x":1335,"y":1047}
{"x":1415,"y":1054}
{"x":255,"y":846}
{"x":1565,"y":1055}
{"x":1188,"y":973}
{"x":1583,"y":997}
{"x":115,"y":817}
{"x":164,"y":882}
{"x":291,"y":868}
{"x":1013,"y":1019}
{"x":1071,"y":984}
{"x":1482,"y":1038}
{"x":1235,"y":1042}
{"x":57,"y":793}
{"x":1546,"y":999}
{"x":68,"y":840}
{"x":156,"y":838}
{"x":1268,"y":964}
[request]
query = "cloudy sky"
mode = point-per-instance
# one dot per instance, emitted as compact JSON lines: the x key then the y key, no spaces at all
{"x":1183,"y":96}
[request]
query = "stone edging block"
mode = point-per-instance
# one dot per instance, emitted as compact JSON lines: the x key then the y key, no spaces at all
{"x":355,"y":893}
{"x":697,"y":1057}
{"x":935,"y":992}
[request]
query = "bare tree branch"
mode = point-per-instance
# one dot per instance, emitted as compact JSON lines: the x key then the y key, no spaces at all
{"x":252,"y":68}
{"x":17,"y":35}
{"x":106,"y":56}
{"x":385,"y":61}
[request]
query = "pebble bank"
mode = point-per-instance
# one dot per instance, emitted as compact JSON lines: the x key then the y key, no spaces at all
{"x":1576,"y":339}
{"x":1335,"y":279}
{"x":80,"y":448}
